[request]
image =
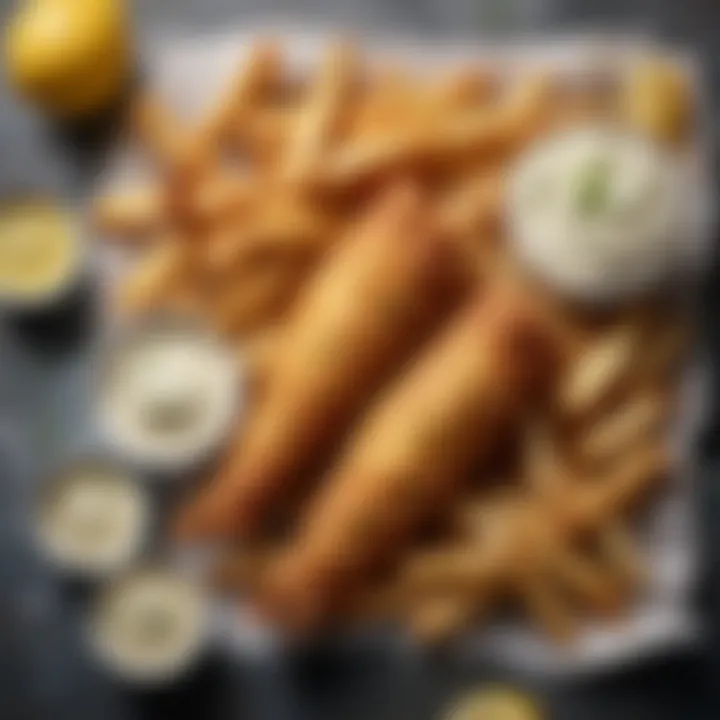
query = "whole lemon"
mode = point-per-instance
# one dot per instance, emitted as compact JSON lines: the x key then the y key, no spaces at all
{"x":71,"y":57}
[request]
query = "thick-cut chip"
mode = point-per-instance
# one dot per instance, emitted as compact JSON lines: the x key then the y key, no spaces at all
{"x":585,"y":580}
{"x":438,"y":619}
{"x":631,"y":424}
{"x":547,"y":608}
{"x":263,"y":137}
{"x":391,"y":102}
{"x":261,"y":297}
{"x":473,"y":208}
{"x":281,"y":226}
{"x":133,"y":215}
{"x":317,"y":122}
{"x":586,"y":506}
{"x":255,"y":357}
{"x":159,"y":132}
{"x":513,"y":120}
{"x":238,"y":569}
{"x":620,"y":550}
{"x":259,"y":73}
{"x":597,"y":372}
{"x":499,"y":128}
{"x":153,"y":277}
{"x":632,"y":479}
{"x":222,"y":197}
{"x":463,"y":88}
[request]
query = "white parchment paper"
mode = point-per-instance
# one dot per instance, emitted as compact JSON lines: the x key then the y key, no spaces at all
{"x":189,"y":72}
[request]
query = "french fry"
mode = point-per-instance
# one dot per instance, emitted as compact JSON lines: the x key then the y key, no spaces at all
{"x":255,"y":357}
{"x":630,"y":425}
{"x":668,"y":348}
{"x":160,"y":134}
{"x":460,"y":568}
{"x":635,"y":476}
{"x":153,"y":277}
{"x":222,"y":197}
{"x":369,"y":158}
{"x":462,"y":89}
{"x":290,"y":223}
{"x":513,"y":120}
{"x":318,"y":120}
{"x":134,"y":215}
{"x":547,"y":608}
{"x":474,"y":207}
{"x":543,"y":470}
{"x":238,"y":570}
{"x":436,"y":620}
{"x":388,"y":601}
{"x":483,"y":521}
{"x":265,"y":135}
{"x":391,"y":100}
{"x":262,"y":298}
{"x":281,"y":226}
{"x":597,"y":372}
{"x":586,"y":581}
{"x":534,"y":530}
{"x":495,"y":129}
{"x":620,"y":551}
{"x":258,"y":75}
{"x":223,"y":247}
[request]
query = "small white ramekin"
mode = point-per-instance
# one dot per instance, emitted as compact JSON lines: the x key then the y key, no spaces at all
{"x":135,"y":545}
{"x":159,"y":465}
{"x":172,"y":671}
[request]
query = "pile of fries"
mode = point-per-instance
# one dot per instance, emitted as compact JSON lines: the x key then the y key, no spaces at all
{"x":347,"y":233}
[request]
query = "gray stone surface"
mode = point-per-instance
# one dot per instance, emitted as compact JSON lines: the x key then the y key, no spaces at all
{"x":44,"y":672}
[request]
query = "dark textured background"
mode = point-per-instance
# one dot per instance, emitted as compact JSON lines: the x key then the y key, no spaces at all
{"x":44,"y":673}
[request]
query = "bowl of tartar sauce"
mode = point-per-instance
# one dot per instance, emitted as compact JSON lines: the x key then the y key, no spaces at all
{"x":168,"y":394}
{"x":603,"y":214}
{"x":149,"y":625}
{"x":92,"y":517}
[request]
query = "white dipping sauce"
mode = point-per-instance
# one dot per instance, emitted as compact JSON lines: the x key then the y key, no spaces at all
{"x":169,"y":396}
{"x":149,"y":626}
{"x":602,"y":214}
{"x":93,"y":520}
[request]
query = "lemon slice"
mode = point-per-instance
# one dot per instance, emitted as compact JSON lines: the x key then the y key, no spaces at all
{"x":495,"y":703}
{"x":39,"y":249}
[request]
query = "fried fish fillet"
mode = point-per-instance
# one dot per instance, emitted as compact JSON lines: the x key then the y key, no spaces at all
{"x":367,"y":309}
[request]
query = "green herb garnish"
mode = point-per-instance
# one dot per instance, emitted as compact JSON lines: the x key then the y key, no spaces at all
{"x":593,"y":186}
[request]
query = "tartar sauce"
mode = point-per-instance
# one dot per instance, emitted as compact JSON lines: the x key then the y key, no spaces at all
{"x":168,"y":396}
{"x":149,"y":625}
{"x":93,"y":519}
{"x":602,"y":213}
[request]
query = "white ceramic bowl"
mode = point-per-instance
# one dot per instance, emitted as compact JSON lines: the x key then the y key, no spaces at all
{"x":165,"y":462}
{"x":140,"y":608}
{"x":97,"y":562}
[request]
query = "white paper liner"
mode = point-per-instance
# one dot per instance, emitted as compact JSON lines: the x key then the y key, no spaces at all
{"x":189,"y":72}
